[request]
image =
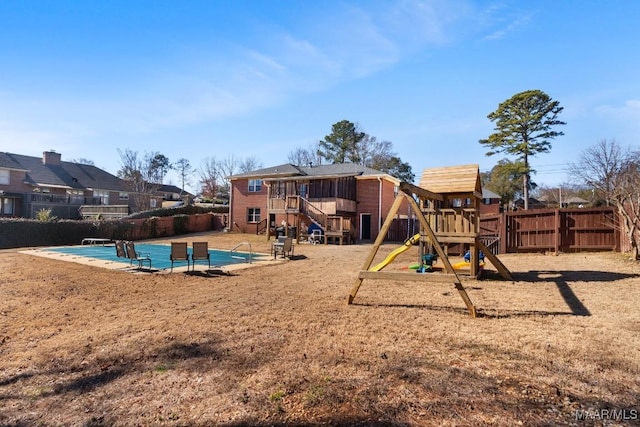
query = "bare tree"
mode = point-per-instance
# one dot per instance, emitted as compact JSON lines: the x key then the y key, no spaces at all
{"x":138,"y":175}
{"x":559,"y":195}
{"x":83,"y":161}
{"x":227,"y":167}
{"x":305,"y":156}
{"x":209,"y":174}
{"x":613,"y":172}
{"x":249,"y":164}
{"x":600,"y":165}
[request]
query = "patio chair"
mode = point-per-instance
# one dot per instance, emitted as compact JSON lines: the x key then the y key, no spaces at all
{"x":276,"y":246}
{"x":121,"y":250}
{"x":286,"y":248}
{"x":200,"y":252}
{"x":134,"y":255}
{"x":179,"y":253}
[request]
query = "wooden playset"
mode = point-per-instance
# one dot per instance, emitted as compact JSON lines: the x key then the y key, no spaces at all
{"x":446,"y":204}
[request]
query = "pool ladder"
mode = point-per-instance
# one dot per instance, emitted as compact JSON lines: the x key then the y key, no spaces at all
{"x":241,"y":244}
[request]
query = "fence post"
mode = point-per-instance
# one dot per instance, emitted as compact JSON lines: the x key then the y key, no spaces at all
{"x":557,"y":231}
{"x":502,"y":226}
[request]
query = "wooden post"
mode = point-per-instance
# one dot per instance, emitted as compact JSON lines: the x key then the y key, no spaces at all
{"x":376,"y":245}
{"x":474,"y":259}
{"x":556,"y":246}
{"x":503,"y":233}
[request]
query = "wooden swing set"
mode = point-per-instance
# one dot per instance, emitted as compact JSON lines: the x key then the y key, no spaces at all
{"x":446,"y":204}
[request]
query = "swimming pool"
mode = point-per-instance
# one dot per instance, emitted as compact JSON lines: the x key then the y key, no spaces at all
{"x":159,"y":255}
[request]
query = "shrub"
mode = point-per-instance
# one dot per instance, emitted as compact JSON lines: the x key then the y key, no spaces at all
{"x":44,"y":215}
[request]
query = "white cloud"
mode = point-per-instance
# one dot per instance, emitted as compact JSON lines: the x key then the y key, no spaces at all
{"x":629,"y":111}
{"x":498,"y":21}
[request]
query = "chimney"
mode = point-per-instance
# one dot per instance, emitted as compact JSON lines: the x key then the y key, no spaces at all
{"x":51,"y":158}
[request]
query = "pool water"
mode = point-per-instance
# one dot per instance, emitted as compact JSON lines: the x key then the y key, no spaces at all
{"x":159,"y":255}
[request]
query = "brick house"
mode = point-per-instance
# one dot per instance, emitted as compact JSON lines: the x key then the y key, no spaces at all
{"x":491,"y":203}
{"x":348,"y":202}
{"x":71,"y":190}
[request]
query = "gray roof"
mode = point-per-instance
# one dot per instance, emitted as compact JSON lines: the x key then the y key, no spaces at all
{"x":575,"y":200}
{"x":488,"y":194}
{"x":170,"y":188}
{"x":275,"y":171}
{"x":66,"y":174}
{"x":289,"y":170}
{"x":6,"y":161}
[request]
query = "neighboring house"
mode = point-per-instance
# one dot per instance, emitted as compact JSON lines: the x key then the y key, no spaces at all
{"x":491,"y":203}
{"x":71,"y":190}
{"x":172,"y":195}
{"x":533,"y":204}
{"x":575,"y":202}
{"x":565,"y":202}
{"x":347,"y":201}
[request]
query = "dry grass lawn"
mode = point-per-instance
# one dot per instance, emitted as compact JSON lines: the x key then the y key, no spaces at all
{"x":278,"y":345}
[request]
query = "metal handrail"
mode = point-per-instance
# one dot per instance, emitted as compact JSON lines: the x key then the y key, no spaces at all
{"x":243,"y":243}
{"x":260,"y":226}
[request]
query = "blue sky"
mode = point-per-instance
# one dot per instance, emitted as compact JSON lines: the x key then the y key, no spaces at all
{"x":211,"y":79}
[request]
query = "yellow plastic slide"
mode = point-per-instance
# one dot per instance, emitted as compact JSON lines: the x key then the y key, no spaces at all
{"x":407,"y":244}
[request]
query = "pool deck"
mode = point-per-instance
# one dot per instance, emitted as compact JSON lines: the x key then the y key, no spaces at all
{"x":201,"y":267}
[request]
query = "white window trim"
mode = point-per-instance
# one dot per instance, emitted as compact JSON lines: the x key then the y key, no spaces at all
{"x":255,"y":185}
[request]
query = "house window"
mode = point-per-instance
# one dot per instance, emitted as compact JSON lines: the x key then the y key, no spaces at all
{"x":304,"y":190}
{"x":124,"y":196}
{"x":7,"y":206}
{"x":253,"y":214}
{"x":103,"y":195}
{"x":255,"y":185}
{"x":75,"y":196}
{"x":4,"y":176}
{"x":153,"y":203}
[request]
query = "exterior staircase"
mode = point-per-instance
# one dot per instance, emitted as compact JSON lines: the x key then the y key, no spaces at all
{"x":333,"y":226}
{"x":314,"y":214}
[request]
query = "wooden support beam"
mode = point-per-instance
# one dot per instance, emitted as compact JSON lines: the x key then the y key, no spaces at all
{"x":409,"y":189}
{"x":410,"y":277}
{"x":504,"y":272}
{"x":376,"y":245}
{"x":454,"y":239}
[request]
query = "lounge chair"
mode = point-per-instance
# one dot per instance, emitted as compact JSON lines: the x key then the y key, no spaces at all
{"x":200,"y":252}
{"x":134,"y":255}
{"x":121,"y":250}
{"x":285,"y":249}
{"x":179,"y":253}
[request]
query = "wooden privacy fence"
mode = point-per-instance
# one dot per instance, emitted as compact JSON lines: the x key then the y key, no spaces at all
{"x":554,"y":230}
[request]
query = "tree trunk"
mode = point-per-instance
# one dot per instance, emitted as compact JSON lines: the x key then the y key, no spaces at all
{"x":630,"y":229}
{"x":525,"y":191}
{"x":525,"y":181}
